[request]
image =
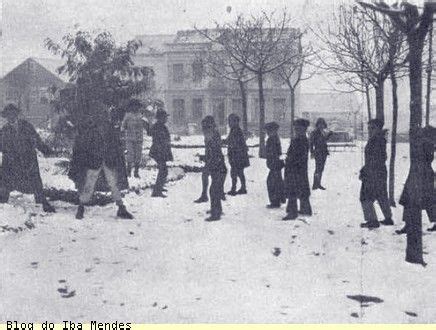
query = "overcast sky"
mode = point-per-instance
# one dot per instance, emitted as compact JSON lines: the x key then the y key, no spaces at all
{"x":25,"y":24}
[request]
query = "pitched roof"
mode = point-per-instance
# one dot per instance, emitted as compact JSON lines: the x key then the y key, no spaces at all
{"x":154,"y":43}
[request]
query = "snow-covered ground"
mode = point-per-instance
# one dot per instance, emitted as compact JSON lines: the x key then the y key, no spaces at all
{"x":169,"y":265}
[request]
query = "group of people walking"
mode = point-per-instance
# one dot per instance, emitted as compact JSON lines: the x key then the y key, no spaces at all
{"x":98,"y":152}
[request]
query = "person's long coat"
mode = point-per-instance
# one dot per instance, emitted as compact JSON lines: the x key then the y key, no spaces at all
{"x":274,"y":181}
{"x":318,"y":144}
{"x":237,"y":149}
{"x":20,"y":168}
{"x":214,"y":158}
{"x":296,"y":176}
{"x":160,"y":149}
{"x":92,"y":148}
{"x":374,"y":172}
{"x":420,"y":192}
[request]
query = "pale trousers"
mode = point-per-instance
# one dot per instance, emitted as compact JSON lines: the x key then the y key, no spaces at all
{"x":91,"y":179}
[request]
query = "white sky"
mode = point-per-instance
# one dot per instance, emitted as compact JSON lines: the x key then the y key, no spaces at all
{"x":26,"y":23}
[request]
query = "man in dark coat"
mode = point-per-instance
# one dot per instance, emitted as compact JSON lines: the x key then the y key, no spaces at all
{"x":20,"y":168}
{"x":319,"y":150}
{"x":237,"y":151}
{"x":296,"y":173}
{"x":216,"y":166}
{"x":422,"y":196}
{"x":97,"y":150}
{"x":374,"y":177}
{"x":160,"y":151}
{"x":274,"y":180}
{"x":205,"y":175}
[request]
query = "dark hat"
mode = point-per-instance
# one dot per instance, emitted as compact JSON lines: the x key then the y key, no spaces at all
{"x":234,"y":116}
{"x":302,"y":122}
{"x":10,"y":108}
{"x":376,"y":122}
{"x":271,"y":126}
{"x":161,"y":113}
{"x":134,"y":104}
{"x":208,"y":122}
{"x":321,"y":121}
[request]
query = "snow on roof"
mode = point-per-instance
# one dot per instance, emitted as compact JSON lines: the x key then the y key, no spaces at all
{"x":154,"y":43}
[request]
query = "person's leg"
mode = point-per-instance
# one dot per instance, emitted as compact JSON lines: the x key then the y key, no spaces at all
{"x":321,"y":171}
{"x":234,"y":177}
{"x":369,"y":215}
{"x":112,"y":182}
{"x":87,"y":191}
{"x":386,"y":210}
{"x":273,"y":187}
{"x":305,"y":207}
{"x":291,"y":208}
{"x":215,"y":197}
{"x":431,"y":213}
{"x":160,"y":179}
{"x":241,"y":176}
{"x":137,"y":157}
{"x":129,"y":157}
{"x":414,"y":251}
{"x":204,"y":185}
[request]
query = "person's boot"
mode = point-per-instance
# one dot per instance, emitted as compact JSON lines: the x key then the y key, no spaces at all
{"x":387,"y":222}
{"x":273,"y":206}
{"x":129,"y":170}
{"x":80,"y":212}
{"x":47,"y":207}
{"x":402,"y":231}
{"x":370,"y":225}
{"x":242,"y":191}
{"x":232,"y":192}
{"x":432,"y":229}
{"x":202,"y":199}
{"x":290,"y":216}
{"x":158,"y":194}
{"x":136,"y":173}
{"x":214,"y":216}
{"x":123,"y":213}
{"x":315,"y":185}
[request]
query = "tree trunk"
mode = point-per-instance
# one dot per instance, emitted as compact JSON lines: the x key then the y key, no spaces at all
{"x":393,"y":139}
{"x":262,"y":151}
{"x":429,"y":71}
{"x":379,"y":101}
{"x":368,"y":101}
{"x":292,"y":111}
{"x":414,"y":253}
{"x":244,"y":107}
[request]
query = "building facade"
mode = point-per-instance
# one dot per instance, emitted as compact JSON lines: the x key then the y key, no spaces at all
{"x":189,"y":94}
{"x":28,"y":86}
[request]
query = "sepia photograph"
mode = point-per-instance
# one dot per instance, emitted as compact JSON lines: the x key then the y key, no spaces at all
{"x":217,"y":162}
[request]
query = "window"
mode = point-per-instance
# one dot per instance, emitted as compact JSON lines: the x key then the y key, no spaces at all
{"x":179,"y":112}
{"x":178,"y":73}
{"x":197,"y":71}
{"x":197,"y":109}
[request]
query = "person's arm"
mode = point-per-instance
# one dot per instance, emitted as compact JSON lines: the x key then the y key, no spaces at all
{"x":312,"y":143}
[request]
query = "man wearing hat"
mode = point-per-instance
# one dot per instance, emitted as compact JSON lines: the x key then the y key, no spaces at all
{"x":319,"y":150}
{"x":215,"y":165}
{"x":160,"y":151}
{"x":133,"y":126}
{"x":296,"y":174}
{"x":20,"y":168}
{"x":374,"y":177}
{"x":274,"y":181}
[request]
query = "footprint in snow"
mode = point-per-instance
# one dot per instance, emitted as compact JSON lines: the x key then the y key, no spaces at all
{"x":34,"y":264}
{"x":354,"y":315}
{"x":331,"y":232}
{"x":365,"y":299}
{"x":411,"y":314}
{"x":276,"y":251}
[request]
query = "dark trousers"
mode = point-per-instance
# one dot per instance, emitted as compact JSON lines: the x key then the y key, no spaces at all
{"x":204,"y":181}
{"x":235,"y":173}
{"x":216,"y":193}
{"x":319,"y":169}
{"x":292,"y":207}
{"x":414,"y":251}
{"x":38,"y":194}
{"x":368,"y":209}
{"x":161,"y":177}
{"x":274,"y":183}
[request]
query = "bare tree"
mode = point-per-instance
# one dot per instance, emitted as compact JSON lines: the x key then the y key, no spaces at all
{"x":221,"y":64}
{"x":415,"y":25}
{"x":291,"y":73}
{"x":255,"y":44}
{"x":361,"y":46}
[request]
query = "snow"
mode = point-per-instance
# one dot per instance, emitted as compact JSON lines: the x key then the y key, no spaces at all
{"x":170,"y":266}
